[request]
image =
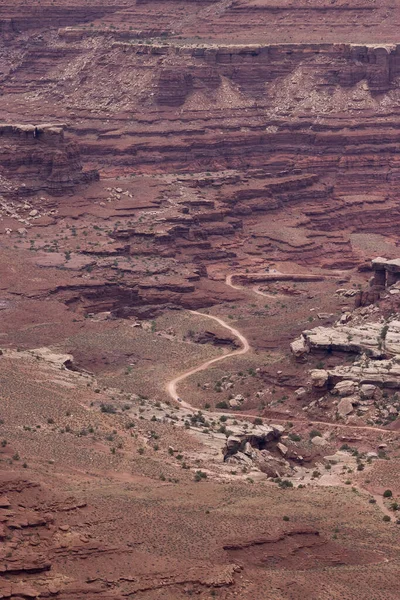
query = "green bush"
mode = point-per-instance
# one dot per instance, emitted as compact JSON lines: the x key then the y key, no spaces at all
{"x":223,"y":404}
{"x":315,"y":433}
{"x":285,"y":483}
{"x":199,"y":475}
{"x":108,"y":408}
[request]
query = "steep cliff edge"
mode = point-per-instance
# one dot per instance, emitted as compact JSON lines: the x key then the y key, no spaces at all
{"x":36,"y":158}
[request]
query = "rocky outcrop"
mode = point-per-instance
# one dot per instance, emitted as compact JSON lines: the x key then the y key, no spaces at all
{"x":367,"y":373}
{"x":37,"y":158}
{"x":209,"y":337}
{"x":257,"y":437}
{"x":386,"y":272}
{"x":378,"y":340}
{"x":258,"y":448}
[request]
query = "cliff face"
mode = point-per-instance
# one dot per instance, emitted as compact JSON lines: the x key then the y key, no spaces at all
{"x":240,"y":160}
{"x":297,"y":123}
{"x":37,"y":158}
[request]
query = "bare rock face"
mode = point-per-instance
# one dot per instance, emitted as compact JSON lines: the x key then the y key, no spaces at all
{"x":369,"y":374}
{"x":58,"y":360}
{"x":38,"y":158}
{"x":270,"y":464}
{"x":252,"y":447}
{"x":376,"y":339}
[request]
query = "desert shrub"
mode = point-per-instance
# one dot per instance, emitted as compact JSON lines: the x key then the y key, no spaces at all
{"x":285,"y":483}
{"x":199,"y":475}
{"x":315,"y":433}
{"x":223,"y":404}
{"x":108,"y":409}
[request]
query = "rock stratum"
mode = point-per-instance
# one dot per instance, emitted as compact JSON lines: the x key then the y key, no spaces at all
{"x":199,"y":196}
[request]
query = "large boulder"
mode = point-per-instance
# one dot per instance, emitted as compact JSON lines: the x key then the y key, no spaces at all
{"x":235,"y":402}
{"x":319,"y":378}
{"x":299,"y":347}
{"x":367,"y":391}
{"x":345,"y":388}
{"x":317,"y":440}
{"x":346,"y":406}
{"x":246,"y":441}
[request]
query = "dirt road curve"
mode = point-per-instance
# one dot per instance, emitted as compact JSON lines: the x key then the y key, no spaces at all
{"x":171,"y":386}
{"x":255,"y":289}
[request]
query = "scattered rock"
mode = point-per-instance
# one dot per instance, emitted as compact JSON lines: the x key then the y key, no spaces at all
{"x":300,"y":393}
{"x":372,"y":455}
{"x":282,"y":448}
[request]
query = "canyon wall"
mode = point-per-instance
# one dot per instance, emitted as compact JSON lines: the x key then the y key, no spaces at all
{"x":38,"y":158}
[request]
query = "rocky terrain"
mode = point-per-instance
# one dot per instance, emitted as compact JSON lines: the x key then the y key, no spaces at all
{"x":199,"y":299}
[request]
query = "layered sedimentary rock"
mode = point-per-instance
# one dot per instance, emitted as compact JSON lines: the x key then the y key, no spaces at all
{"x":386,"y":272}
{"x":38,"y":157}
{"x":376,"y":339}
{"x":285,"y":126}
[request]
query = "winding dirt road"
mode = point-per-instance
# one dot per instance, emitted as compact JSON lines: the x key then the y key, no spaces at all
{"x":255,"y":289}
{"x":172,"y":391}
{"x":171,"y":386}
